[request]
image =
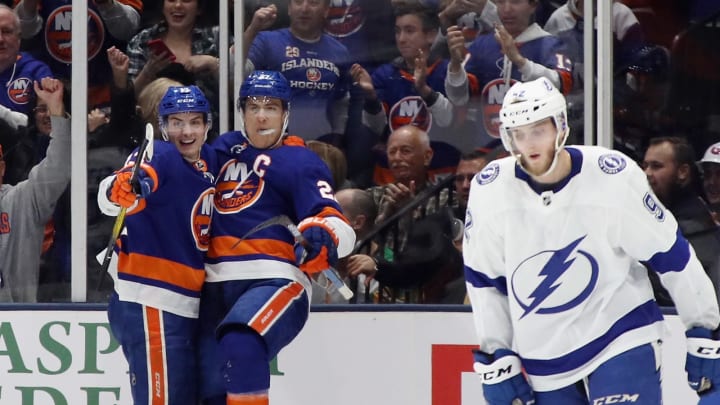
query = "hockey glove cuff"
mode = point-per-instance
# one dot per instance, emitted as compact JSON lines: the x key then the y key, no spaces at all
{"x":703,"y":360}
{"x":502,"y":378}
{"x":123,"y":193}
{"x":320,"y":251}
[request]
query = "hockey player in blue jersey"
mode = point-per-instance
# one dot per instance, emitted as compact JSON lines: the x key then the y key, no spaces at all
{"x":256,"y":296}
{"x":160,"y":258}
{"x":554,"y":241}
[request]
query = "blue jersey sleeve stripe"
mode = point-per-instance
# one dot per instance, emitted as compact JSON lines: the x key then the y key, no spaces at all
{"x":481,"y":280}
{"x":675,"y":259}
{"x":645,"y":314}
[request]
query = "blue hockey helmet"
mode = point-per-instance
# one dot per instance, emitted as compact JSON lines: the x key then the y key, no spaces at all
{"x":265,"y":83}
{"x":183,"y":99}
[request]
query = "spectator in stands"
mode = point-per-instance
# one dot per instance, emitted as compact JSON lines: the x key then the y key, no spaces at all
{"x":18,"y":70}
{"x":567,"y":23}
{"x":470,"y":164}
{"x":410,"y":89}
{"x":26,"y":207}
{"x":359,"y":268}
{"x":473,"y":17}
{"x":193,"y":51}
{"x":673,"y":175}
{"x":497,"y":61}
{"x":365,"y":28}
{"x":414,"y":254}
{"x":46,"y":26}
{"x":710,"y":165}
{"x":315,"y":64}
{"x":335,"y":160}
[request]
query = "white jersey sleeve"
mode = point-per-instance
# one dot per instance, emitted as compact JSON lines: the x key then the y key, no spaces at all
{"x":646,"y":225}
{"x":485,"y":277}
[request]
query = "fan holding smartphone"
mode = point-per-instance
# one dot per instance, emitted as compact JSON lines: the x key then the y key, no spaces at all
{"x":159,"y":48}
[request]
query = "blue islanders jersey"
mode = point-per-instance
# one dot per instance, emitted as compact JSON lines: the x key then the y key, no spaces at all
{"x":57,"y":50}
{"x":255,"y":185}
{"x":161,"y":256}
{"x":486,"y":62}
{"x":557,"y":276}
{"x":18,"y":80}
{"x":317,"y":72}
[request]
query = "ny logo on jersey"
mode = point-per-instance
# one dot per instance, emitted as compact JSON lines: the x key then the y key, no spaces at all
{"x":19,"y":90}
{"x":410,"y":110}
{"x":553,"y":281}
{"x":491,"y":100}
{"x":200,"y":219}
{"x":239,"y":186}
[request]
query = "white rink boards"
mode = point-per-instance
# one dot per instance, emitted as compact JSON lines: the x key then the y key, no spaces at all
{"x":65,"y":357}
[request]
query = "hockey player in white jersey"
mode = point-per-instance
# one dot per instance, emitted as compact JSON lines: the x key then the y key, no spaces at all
{"x":554,"y":241}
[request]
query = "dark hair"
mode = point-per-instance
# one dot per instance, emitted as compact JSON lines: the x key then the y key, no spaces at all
{"x":472,"y":155}
{"x":428,"y":17}
{"x":683,"y":151}
{"x":684,"y":154}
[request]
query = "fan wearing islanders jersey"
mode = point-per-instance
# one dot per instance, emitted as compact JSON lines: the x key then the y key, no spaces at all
{"x":556,"y":243}
{"x":110,"y":23}
{"x":314,"y":63}
{"x":410,"y":91}
{"x":516,"y":51}
{"x":256,"y":296}
{"x":158,"y":267}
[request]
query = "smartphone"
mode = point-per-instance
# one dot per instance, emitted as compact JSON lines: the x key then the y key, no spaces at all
{"x":158,"y":47}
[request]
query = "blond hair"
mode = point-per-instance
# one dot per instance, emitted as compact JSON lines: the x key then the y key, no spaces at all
{"x":148,"y":101}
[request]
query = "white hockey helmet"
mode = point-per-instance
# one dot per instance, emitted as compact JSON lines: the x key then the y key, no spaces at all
{"x":712,"y":154}
{"x":530,"y":102}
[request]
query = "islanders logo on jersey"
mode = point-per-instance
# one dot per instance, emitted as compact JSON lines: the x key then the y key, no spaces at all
{"x":238,"y":187}
{"x":491,"y":100}
{"x":612,"y":163}
{"x":19,"y":90}
{"x":313,"y":74}
{"x":410,"y":110}
{"x":345,"y":17}
{"x":58,"y":34}
{"x":200,"y":218}
{"x":553,"y":281}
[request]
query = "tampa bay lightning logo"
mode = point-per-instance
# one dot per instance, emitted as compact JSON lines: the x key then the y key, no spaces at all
{"x":654,"y":208}
{"x":554,"y":281}
{"x":488,"y":174}
{"x":612,"y":163}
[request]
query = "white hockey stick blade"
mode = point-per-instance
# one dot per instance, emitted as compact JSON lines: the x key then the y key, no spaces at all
{"x":343,"y":289}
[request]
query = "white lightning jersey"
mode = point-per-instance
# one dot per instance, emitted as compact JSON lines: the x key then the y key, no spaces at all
{"x":556,"y":275}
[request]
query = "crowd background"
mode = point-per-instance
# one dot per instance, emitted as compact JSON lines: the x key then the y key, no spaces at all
{"x":376,"y":104}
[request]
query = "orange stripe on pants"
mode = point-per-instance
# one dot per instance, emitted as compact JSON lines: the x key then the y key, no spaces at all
{"x":157,"y":375}
{"x":248,"y":399}
{"x":276,"y":306}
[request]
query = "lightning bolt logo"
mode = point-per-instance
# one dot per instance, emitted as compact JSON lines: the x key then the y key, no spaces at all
{"x":552,"y":271}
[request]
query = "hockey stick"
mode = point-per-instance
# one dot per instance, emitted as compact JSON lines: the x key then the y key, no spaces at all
{"x":145,"y":153}
{"x":286,"y":222}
